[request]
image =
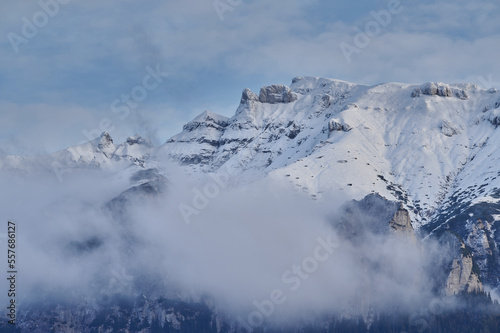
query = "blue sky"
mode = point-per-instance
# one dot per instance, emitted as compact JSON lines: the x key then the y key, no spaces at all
{"x":57,"y":89}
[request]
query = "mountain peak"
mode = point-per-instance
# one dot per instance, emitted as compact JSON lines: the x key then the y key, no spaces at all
{"x":106,"y":144}
{"x":105,"y":139}
{"x":248,"y":95}
{"x":208,"y":116}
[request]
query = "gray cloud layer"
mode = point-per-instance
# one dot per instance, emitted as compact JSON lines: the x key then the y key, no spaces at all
{"x":240,"y":250}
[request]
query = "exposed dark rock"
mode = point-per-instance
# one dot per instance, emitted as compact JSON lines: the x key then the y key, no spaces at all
{"x":432,"y":89}
{"x":248,"y":95}
{"x":149,"y":188}
{"x":497,"y":104}
{"x":374,"y":214}
{"x":277,"y":93}
{"x":475,"y":225}
{"x":205,"y":122}
{"x":464,"y":274}
{"x":326,"y":100}
{"x":138,"y":140}
{"x":293,"y":132}
{"x":105,"y":141}
{"x":439,"y":89}
{"x":401,"y":224}
{"x":495,"y":121}
{"x":336,"y":125}
{"x":145,"y":175}
{"x":462,"y":94}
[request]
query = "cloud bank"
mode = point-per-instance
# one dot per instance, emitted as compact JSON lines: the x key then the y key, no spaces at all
{"x":258,"y":254}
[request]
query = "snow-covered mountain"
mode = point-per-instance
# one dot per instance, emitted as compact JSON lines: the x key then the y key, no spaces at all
{"x":410,"y":142}
{"x":429,"y":145}
{"x":101,"y":153}
{"x":432,"y":146}
{"x":431,"y":150}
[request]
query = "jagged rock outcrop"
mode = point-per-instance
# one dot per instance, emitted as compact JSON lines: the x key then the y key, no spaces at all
{"x":439,"y":89}
{"x":495,"y":121}
{"x":400,"y":224}
{"x":105,"y":141}
{"x":492,"y":114}
{"x":480,"y":240}
{"x":475,"y":224}
{"x":205,"y":131}
{"x":461,"y":93}
{"x":326,"y":101}
{"x":432,"y":89}
{"x":106,"y":144}
{"x":497,"y":104}
{"x":147,"y":185}
{"x":248,"y":95}
{"x":377,"y":215}
{"x":138,"y":140}
{"x":277,"y":93}
{"x":336,"y":125}
{"x":464,"y":275}
{"x":293,"y":131}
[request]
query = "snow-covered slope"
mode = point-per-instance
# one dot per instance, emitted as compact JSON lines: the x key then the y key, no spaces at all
{"x":100,"y":153}
{"x":409,"y":142}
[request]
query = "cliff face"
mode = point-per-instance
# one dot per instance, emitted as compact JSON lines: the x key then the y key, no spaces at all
{"x":400,"y":224}
{"x":377,"y":215}
{"x":464,"y":274}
